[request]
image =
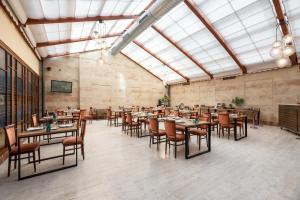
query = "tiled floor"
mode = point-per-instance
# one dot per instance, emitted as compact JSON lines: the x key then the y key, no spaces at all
{"x":264,"y":166}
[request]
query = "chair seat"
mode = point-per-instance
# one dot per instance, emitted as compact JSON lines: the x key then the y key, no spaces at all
{"x":72,"y":141}
{"x":226,"y":125}
{"x":179,"y":137}
{"x":111,"y":117}
{"x":25,"y":148}
{"x":143,"y":120}
{"x":160,"y":133}
{"x":180,"y":128}
{"x":199,"y":132}
{"x":214,"y":123}
{"x":133,"y":124}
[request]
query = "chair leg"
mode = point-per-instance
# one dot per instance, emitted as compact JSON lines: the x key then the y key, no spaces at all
{"x":150,"y":141}
{"x":64,"y":148}
{"x":228,"y":133}
{"x":175,"y":148}
{"x":34,"y":164}
{"x":166,"y":145}
{"x":82,"y":150}
{"x":39,"y":155}
{"x":199,"y":142}
{"x":28,"y":158}
{"x":15,"y":162}
{"x":9,"y":164}
{"x":157,"y":142}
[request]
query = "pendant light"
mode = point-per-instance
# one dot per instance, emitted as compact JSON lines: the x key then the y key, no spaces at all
{"x":282,"y":49}
{"x":99,"y":38}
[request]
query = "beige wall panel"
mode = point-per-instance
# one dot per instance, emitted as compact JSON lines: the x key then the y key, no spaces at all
{"x":11,"y":37}
{"x":265,"y":90}
{"x":66,"y":69}
{"x":116,"y":82}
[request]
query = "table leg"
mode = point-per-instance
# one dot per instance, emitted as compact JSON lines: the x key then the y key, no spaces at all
{"x":186,"y":143}
{"x":246,"y":125}
{"x":19,"y":160}
{"x":234,"y":128}
{"x":209,"y":138}
{"x":76,"y":148}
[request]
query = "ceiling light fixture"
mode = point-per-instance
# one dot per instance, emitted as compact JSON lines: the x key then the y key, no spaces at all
{"x":99,"y":38}
{"x":282,"y":49}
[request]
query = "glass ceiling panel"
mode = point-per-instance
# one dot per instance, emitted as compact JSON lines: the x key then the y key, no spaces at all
{"x":166,"y":51}
{"x":33,"y":9}
{"x":119,"y":26}
{"x":191,"y":35}
{"x":247,"y":26}
{"x":150,"y":63}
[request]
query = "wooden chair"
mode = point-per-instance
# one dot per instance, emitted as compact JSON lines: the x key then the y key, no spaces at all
{"x":172,"y":137}
{"x":167,"y":112}
{"x":224,"y":123}
{"x":124,"y":123}
{"x":71,"y":141}
{"x":16,"y":149}
{"x":132,"y":125}
{"x":34,"y":119}
{"x":155,"y":132}
{"x":201,"y":132}
{"x":214,"y":123}
{"x":110,"y":118}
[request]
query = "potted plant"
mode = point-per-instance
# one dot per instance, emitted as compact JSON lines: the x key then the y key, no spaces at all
{"x":164,"y":101}
{"x":238,"y":101}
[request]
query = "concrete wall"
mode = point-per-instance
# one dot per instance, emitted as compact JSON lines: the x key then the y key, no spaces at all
{"x":11,"y":37}
{"x":116,"y":82}
{"x":265,"y":90}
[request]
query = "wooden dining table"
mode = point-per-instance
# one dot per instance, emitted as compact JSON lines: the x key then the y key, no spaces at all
{"x":187,"y":124}
{"x":62,"y":118}
{"x":143,"y":115}
{"x":43,"y":132}
{"x":235,"y":118}
{"x":117,"y":114}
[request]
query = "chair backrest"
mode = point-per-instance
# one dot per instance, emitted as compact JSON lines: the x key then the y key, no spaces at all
{"x":83,"y":128}
{"x":167,"y":112}
{"x":82,"y":113}
{"x":207,"y":114}
{"x":11,"y":136}
{"x":59,"y":113}
{"x":123,"y":116}
{"x":108,"y":113}
{"x":223,"y":118}
{"x":129,"y":118}
{"x":34,"y":120}
{"x":153,"y":125}
{"x":170,"y":128}
{"x":76,"y":118}
{"x":176,"y":113}
{"x":204,"y":118}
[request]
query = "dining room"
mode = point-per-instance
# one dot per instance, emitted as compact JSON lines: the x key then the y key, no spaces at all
{"x":149,"y":99}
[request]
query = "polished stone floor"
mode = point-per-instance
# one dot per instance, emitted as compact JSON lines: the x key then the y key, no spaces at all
{"x":264,"y":166}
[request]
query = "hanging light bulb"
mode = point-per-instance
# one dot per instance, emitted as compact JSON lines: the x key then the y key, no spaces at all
{"x":283,"y":62}
{"x":100,"y":60}
{"x":288,"y":50}
{"x":287,"y":39}
{"x":277,"y":44}
{"x":276,"y":52}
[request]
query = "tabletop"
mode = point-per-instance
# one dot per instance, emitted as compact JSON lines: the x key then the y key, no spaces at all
{"x":187,"y":123}
{"x":26,"y":134}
